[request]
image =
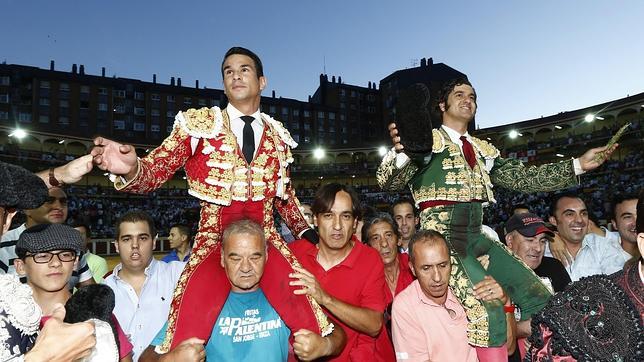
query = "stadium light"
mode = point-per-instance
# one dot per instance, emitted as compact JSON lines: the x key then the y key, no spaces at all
{"x":559,"y":155}
{"x":18,"y":133}
{"x":318,"y":153}
{"x":589,"y":118}
{"x":599,"y":118}
{"x":382,"y":150}
{"x":514,"y":134}
{"x":61,"y":142}
{"x":558,"y":127}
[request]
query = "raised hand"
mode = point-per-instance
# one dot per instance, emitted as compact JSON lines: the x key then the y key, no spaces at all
{"x":595,"y":157}
{"x":114,"y":157}
{"x":395,"y":139}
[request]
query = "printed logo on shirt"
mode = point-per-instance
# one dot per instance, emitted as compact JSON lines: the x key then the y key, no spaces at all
{"x":248,"y":328}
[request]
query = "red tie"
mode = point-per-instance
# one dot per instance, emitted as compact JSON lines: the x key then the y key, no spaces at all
{"x":468,"y":152}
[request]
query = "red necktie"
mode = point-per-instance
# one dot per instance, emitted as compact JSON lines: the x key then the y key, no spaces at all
{"x":468,"y":152}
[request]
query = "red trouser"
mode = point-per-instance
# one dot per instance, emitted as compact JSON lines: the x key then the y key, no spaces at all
{"x":199,"y":302}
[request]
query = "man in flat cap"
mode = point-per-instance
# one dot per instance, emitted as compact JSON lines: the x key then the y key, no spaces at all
{"x":21,"y":189}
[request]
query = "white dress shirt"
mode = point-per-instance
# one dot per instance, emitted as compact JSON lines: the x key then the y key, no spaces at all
{"x":596,"y":256}
{"x":141,"y":317}
{"x":455,"y":136}
{"x":237,"y":126}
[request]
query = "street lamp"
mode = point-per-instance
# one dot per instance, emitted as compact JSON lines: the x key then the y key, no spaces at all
{"x":318,"y":153}
{"x":382,"y":150}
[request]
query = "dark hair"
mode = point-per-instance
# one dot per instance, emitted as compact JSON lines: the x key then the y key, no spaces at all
{"x":518,"y":206}
{"x":447,"y":88}
{"x":555,"y":200}
{"x":259,"y":69}
{"x":184,"y":230}
{"x":83,"y":225}
{"x":430,"y":237}
{"x":325,"y":197}
{"x":640,"y":211}
{"x":136,"y":216}
{"x":403,"y":201}
{"x":618,"y":199}
{"x":374,"y":219}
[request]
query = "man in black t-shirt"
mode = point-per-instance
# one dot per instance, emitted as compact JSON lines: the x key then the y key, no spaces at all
{"x":527,"y":235}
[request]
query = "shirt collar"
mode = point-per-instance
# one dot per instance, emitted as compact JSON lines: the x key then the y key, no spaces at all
{"x":423,"y":298}
{"x":454,"y":135}
{"x":234,"y":113}
{"x":148,"y":270}
{"x":349,"y":261}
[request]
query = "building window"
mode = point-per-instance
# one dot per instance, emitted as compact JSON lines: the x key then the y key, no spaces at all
{"x":44,"y":101}
{"x":169,"y":128}
{"x":187,"y":101}
{"x":272,"y":109}
{"x":102,"y":91}
{"x":64,"y":87}
{"x":63,"y":120}
{"x":4,"y":98}
{"x":102,"y":107}
{"x":4,"y":115}
{"x":371,"y":98}
{"x":119,"y":124}
{"x":307,"y":114}
{"x":5,"y":80}
{"x":84,"y":89}
{"x":169,"y":114}
{"x":169,"y":98}
{"x":331,"y":115}
{"x":63,"y":103}
{"x":44,"y":84}
{"x":119,"y":108}
{"x":285,"y":111}
{"x":24,"y":117}
{"x":155,"y":128}
{"x":139,"y":96}
{"x":371,"y":109}
{"x":139,"y":111}
{"x":155,"y":112}
{"x":43,"y":119}
{"x":342,"y":117}
{"x":202,"y":102}
{"x":296,"y":113}
{"x":119,"y":93}
{"x":353,"y":94}
{"x":139,"y":127}
{"x":320,"y":115}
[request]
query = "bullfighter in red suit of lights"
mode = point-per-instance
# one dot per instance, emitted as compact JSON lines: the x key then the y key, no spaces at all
{"x":207,"y":143}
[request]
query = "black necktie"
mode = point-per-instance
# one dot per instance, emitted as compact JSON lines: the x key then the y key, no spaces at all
{"x":249,"y":138}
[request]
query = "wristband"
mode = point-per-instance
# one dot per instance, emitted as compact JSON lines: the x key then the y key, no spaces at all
{"x":509,"y":308}
{"x":52,"y":179}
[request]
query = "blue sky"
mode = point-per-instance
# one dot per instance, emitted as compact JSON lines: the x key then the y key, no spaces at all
{"x":526,"y":59}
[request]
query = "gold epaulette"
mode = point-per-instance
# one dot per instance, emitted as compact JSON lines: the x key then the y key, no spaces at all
{"x":486,"y":149}
{"x":203,"y":122}
{"x":438,"y":144}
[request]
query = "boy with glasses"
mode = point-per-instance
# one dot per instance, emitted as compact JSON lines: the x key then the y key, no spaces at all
{"x":47,"y":256}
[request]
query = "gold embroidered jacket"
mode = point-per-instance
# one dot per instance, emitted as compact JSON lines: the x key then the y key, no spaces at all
{"x":203,"y":143}
{"x":446,"y":176}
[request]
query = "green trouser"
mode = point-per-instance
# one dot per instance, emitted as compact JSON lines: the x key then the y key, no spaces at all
{"x":460,"y":224}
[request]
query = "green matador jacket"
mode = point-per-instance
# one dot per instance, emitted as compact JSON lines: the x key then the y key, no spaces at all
{"x":444,"y":175}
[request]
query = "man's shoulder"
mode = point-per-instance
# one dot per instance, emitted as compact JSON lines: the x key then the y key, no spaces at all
{"x":202,"y":123}
{"x":601,"y":245}
{"x":301,"y":246}
{"x":548,"y":266}
{"x":404,"y":299}
{"x":13,"y":234}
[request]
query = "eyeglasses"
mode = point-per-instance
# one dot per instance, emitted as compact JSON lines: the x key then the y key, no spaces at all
{"x":63,"y":256}
{"x":52,"y":199}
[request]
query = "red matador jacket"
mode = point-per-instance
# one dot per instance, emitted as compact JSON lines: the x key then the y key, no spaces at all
{"x":229,"y":189}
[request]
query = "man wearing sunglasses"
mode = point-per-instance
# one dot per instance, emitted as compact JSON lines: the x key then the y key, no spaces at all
{"x":53,"y":211}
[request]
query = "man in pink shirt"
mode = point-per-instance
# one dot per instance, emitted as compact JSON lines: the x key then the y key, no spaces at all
{"x":428,"y":322}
